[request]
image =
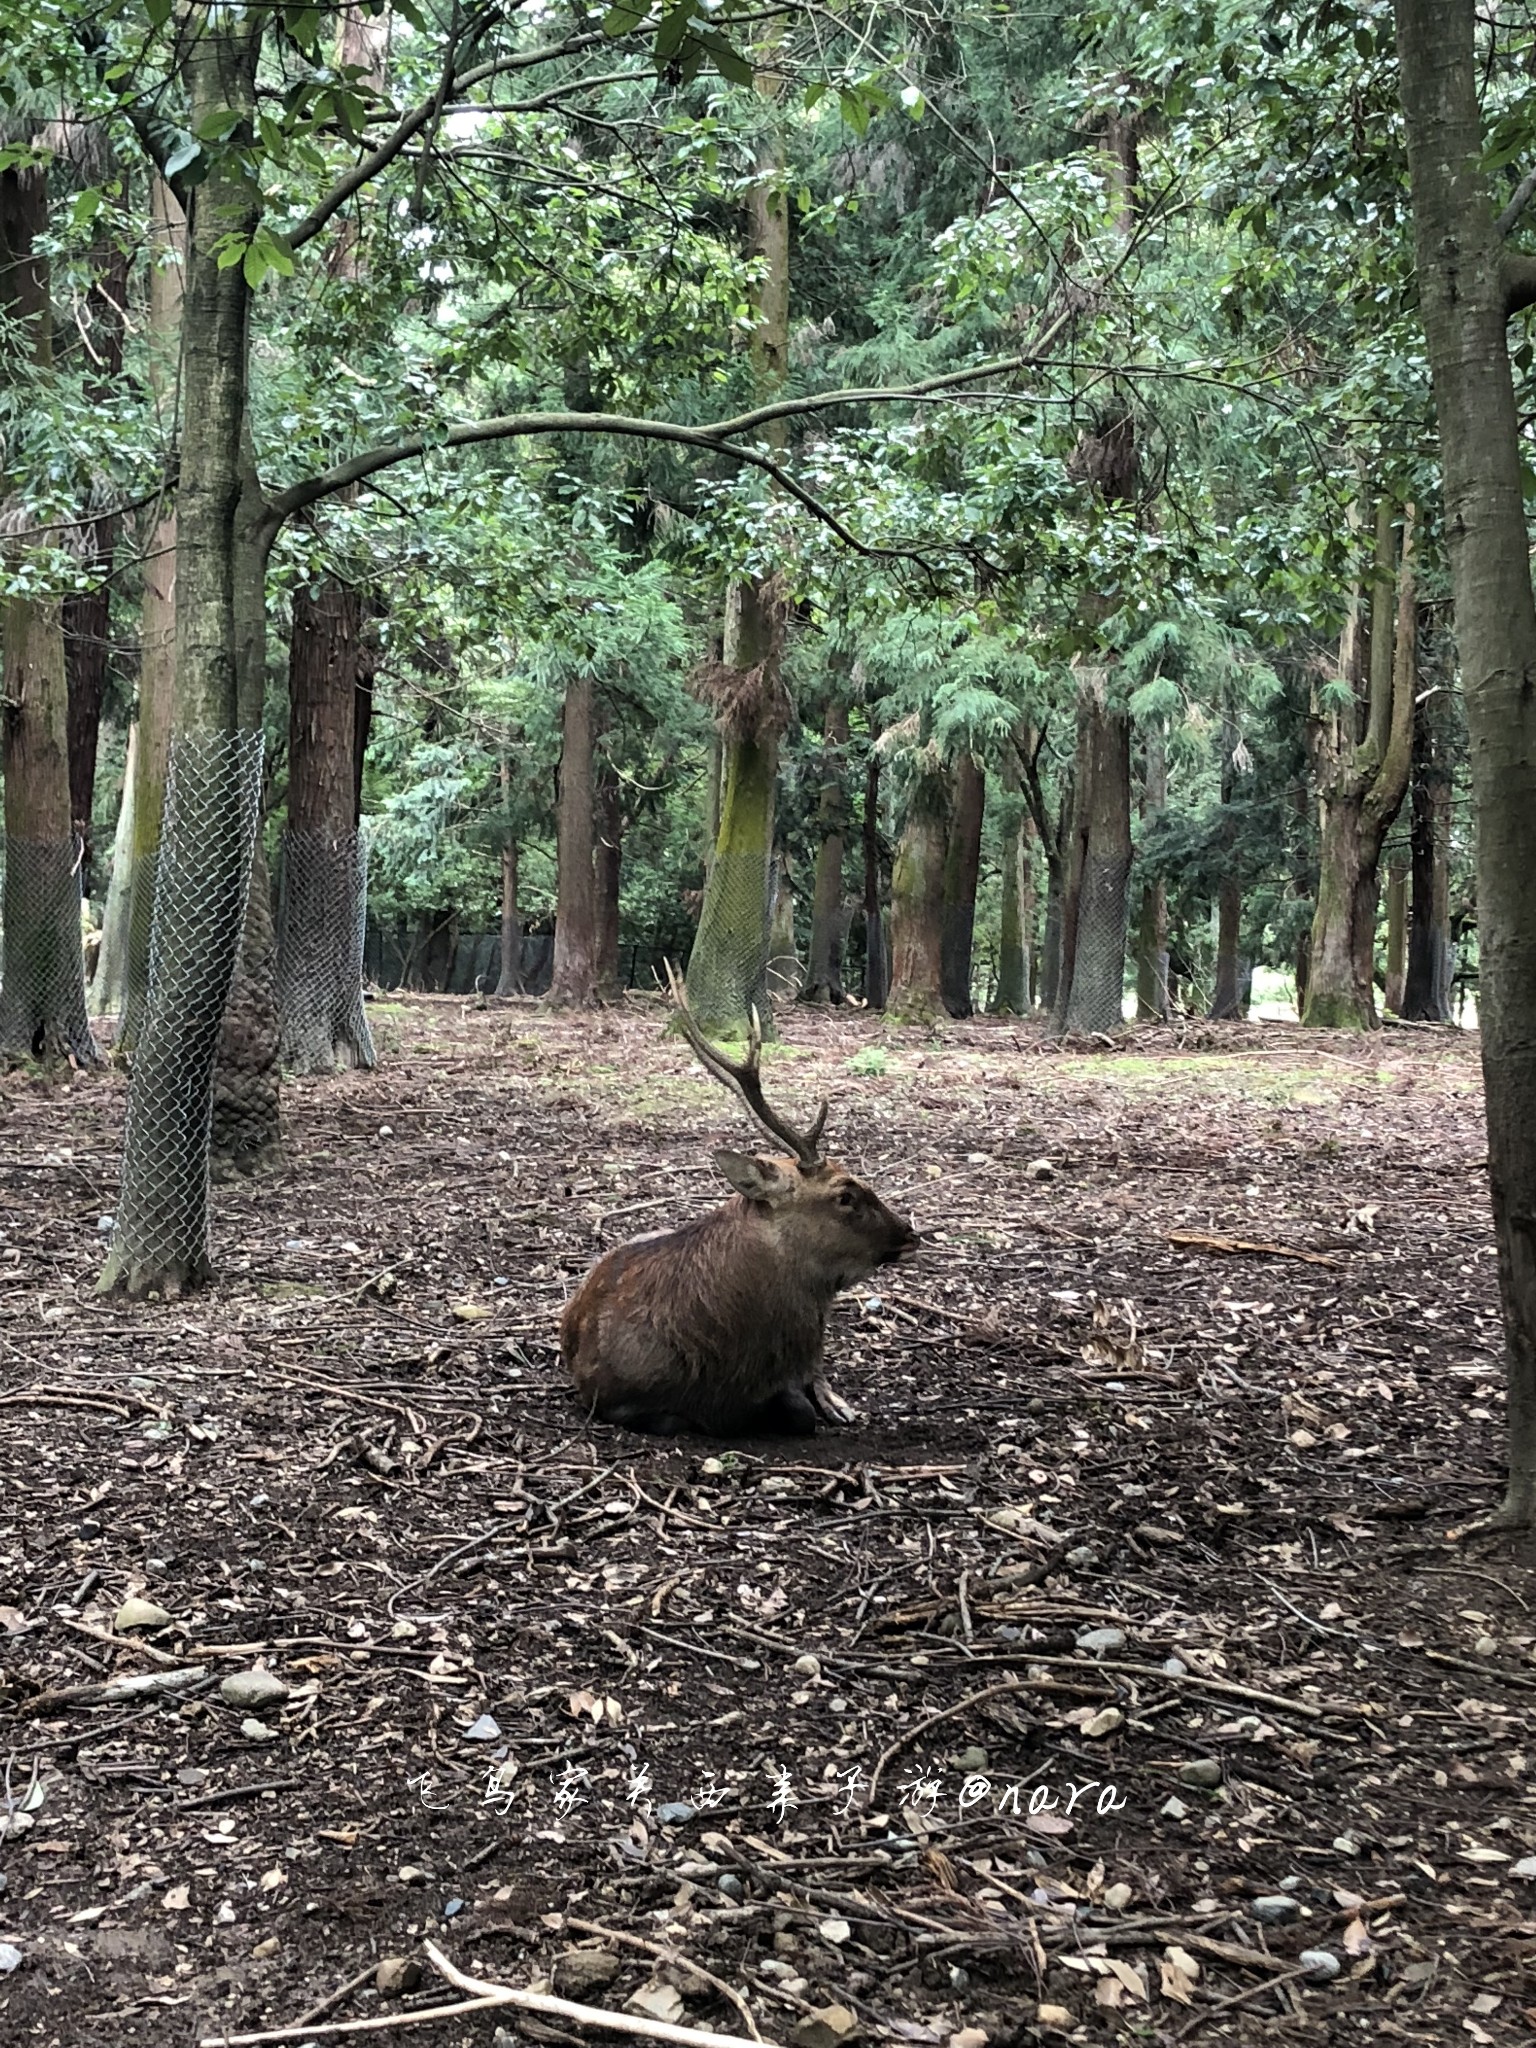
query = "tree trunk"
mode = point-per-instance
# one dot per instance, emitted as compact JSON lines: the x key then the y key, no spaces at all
{"x":1228,"y":999}
{"x":1427,"y":987}
{"x":161,"y":1238}
{"x":323,"y":913}
{"x":105,"y":994}
{"x":1152,"y":925}
{"x":824,"y":980}
{"x":728,"y":965}
{"x":1228,"y":1002}
{"x":784,"y":971}
{"x":1090,"y":996}
{"x":577,"y":939}
{"x":609,"y":855}
{"x":1361,"y":781}
{"x":510,"y":980}
{"x":87,"y":614}
{"x":157,"y":659}
{"x":917,"y":904}
{"x":42,"y":990}
{"x":877,"y":970}
{"x":962,"y":872}
{"x":1397,"y":937}
{"x":1016,"y":928}
{"x":1465,"y":295}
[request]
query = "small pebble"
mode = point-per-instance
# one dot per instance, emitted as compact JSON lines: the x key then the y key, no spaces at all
{"x":106,"y":1225}
{"x":139,"y":1614}
{"x":1083,"y":1558}
{"x":252,"y":1689}
{"x":452,"y":1908}
{"x":1174,"y":1667}
{"x":266,"y":1948}
{"x":808,"y":1666}
{"x":1275,"y":1910}
{"x":1319,"y":1962}
{"x":1118,"y":1897}
{"x":1097,"y":1640}
{"x":1485,"y":1646}
{"x":675,"y":1812}
{"x":10,"y":1958}
{"x":1204,"y":1770}
{"x":728,"y":1884}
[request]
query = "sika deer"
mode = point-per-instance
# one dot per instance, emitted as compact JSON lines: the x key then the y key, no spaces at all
{"x":718,"y":1326}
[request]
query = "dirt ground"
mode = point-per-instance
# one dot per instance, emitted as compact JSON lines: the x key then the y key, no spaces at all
{"x":796,"y":1735}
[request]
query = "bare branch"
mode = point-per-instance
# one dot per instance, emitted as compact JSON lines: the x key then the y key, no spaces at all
{"x":1517,"y":205}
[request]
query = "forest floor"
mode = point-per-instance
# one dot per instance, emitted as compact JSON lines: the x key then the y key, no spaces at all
{"x":792,"y":1735}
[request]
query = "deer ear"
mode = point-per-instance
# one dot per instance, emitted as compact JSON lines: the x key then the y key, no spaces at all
{"x":759,"y":1178}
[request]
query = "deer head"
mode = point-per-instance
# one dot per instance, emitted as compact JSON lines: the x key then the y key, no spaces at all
{"x":837,"y":1229}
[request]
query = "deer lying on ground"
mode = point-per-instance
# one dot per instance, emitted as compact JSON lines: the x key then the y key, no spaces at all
{"x":718,"y":1326}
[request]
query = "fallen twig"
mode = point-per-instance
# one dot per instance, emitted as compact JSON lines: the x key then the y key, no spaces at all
{"x":1198,"y":1241}
{"x":106,"y":1690}
{"x":670,"y":1955}
{"x":944,"y":1714}
{"x":1238,"y":1998}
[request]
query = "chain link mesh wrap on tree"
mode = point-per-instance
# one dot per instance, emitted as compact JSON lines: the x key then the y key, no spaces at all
{"x":728,"y":967}
{"x":141,"y":917}
{"x":42,"y":971}
{"x":212,"y":807}
{"x":322,"y":919}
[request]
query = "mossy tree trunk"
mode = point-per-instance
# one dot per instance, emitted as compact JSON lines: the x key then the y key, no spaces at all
{"x":962,"y":873}
{"x":161,"y":1240}
{"x":1361,"y":755}
{"x":1468,"y":285}
{"x":824,"y":977}
{"x":157,"y":637}
{"x":42,"y":993}
{"x":728,"y":965}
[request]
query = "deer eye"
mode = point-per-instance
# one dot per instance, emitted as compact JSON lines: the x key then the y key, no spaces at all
{"x":847,"y":1199}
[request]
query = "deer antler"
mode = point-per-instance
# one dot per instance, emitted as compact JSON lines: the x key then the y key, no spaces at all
{"x":745,"y":1076}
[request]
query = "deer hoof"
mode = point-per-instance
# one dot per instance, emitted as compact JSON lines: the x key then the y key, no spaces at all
{"x":832,"y":1407}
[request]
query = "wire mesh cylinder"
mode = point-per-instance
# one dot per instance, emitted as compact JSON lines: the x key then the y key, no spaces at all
{"x":42,"y":979}
{"x":212,"y":806}
{"x":322,"y":917}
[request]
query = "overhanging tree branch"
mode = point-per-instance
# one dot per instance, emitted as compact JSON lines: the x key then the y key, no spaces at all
{"x":367,"y":168}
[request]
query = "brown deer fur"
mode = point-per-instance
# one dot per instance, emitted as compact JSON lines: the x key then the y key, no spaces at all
{"x":718,"y":1326}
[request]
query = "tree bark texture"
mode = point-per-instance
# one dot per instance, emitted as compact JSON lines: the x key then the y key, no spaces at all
{"x":323,"y":1024}
{"x":1361,"y":757}
{"x":42,"y":986}
{"x":161,"y":1240}
{"x":157,"y":659}
{"x":1397,"y":938}
{"x":1427,"y":986}
{"x":1152,"y":924}
{"x":608,"y":854}
{"x":785,"y":975}
{"x":728,"y":965}
{"x":824,"y":977}
{"x":577,"y":939}
{"x":1016,"y":927}
{"x":1090,"y":996}
{"x":104,"y":996}
{"x":917,"y":903}
{"x":1463,"y":298}
{"x":962,"y":872}
{"x":1227,"y":1000}
{"x":877,"y":968}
